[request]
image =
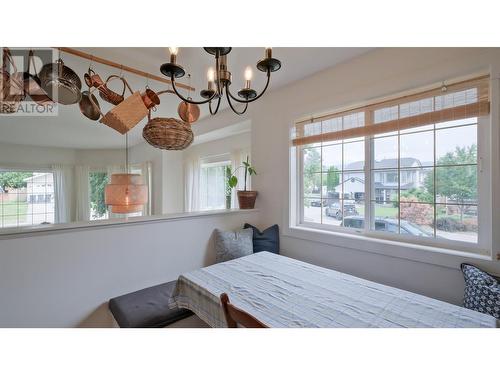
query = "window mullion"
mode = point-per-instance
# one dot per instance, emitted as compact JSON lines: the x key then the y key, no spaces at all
{"x":368,"y":183}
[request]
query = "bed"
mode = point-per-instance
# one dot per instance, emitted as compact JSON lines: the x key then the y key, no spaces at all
{"x":285,"y":292}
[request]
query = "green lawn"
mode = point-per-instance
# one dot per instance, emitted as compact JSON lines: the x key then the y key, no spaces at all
{"x":380,"y":211}
{"x":10,"y":211}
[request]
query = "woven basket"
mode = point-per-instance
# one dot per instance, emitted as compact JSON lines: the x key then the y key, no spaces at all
{"x":168,"y":133}
{"x":11,"y":85}
{"x":127,"y":114}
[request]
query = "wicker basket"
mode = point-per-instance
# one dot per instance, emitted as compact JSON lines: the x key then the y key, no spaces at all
{"x":127,"y":114}
{"x":11,"y":86}
{"x":168,"y":133}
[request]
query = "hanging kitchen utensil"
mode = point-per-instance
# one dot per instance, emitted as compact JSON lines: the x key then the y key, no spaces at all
{"x":32,"y":84}
{"x":60,"y":83}
{"x":128,"y":113}
{"x":167,"y":133}
{"x":188,"y":112}
{"x":11,"y":85}
{"x":89,"y":106}
{"x":92,"y":79}
{"x":109,"y":95}
{"x":150,"y":98}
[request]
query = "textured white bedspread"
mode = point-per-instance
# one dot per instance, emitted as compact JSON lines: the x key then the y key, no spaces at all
{"x":284,"y":292}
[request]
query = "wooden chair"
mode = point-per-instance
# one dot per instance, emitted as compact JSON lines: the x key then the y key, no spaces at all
{"x":235,"y":315}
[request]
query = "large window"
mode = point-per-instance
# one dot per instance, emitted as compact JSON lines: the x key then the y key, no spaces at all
{"x":26,"y":198}
{"x":213,"y":185}
{"x":419,"y":180}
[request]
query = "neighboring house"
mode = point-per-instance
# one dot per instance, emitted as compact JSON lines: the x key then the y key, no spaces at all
{"x":40,"y":198}
{"x":40,"y":188}
{"x":385,"y":179}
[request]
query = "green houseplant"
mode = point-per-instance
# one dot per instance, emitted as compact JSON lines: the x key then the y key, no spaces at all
{"x":246,"y":198}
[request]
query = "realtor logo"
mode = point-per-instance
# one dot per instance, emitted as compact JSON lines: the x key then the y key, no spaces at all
{"x":23,"y":91}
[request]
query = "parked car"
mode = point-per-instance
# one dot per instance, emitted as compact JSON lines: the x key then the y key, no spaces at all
{"x":335,"y":210}
{"x":316,"y":203}
{"x":387,"y":225}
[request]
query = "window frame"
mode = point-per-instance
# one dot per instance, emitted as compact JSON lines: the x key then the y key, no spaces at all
{"x":32,"y":169}
{"x":484,"y":205}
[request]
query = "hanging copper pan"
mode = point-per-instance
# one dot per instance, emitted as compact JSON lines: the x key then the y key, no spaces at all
{"x":188,"y":112}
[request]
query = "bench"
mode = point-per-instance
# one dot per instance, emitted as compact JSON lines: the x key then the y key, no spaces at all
{"x":147,"y":308}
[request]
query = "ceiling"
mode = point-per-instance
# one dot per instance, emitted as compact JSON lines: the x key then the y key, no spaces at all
{"x":72,"y":130}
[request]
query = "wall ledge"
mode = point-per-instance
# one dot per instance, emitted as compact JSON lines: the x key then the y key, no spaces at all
{"x":29,"y":231}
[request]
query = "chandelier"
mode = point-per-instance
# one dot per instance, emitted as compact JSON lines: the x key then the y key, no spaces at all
{"x":219,"y":79}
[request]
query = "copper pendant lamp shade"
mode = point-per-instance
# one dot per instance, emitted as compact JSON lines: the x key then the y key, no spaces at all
{"x":126,"y":193}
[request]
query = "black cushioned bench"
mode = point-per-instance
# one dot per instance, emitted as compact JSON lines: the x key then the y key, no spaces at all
{"x":147,"y":308}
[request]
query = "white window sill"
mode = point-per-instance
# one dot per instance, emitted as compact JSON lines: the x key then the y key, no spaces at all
{"x":9,"y":233}
{"x":358,"y":242}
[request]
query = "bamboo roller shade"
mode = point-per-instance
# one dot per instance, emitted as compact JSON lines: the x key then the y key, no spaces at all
{"x":458,"y":101}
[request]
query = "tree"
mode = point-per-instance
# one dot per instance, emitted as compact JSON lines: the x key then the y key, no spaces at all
{"x":418,"y":195}
{"x":332,"y":179}
{"x":98,"y":182}
{"x":13,"y":180}
{"x":312,"y":165}
{"x":457,"y":183}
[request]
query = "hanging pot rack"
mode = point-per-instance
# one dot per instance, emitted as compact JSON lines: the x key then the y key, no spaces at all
{"x":141,"y":73}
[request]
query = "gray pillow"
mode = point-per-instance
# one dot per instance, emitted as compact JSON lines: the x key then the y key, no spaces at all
{"x":232,"y":245}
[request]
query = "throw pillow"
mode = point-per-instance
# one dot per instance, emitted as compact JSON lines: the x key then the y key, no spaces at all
{"x":482,"y":291}
{"x":232,"y":245}
{"x":267,"y":240}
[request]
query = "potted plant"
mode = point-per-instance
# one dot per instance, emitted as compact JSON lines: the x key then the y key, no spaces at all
{"x":246,"y":198}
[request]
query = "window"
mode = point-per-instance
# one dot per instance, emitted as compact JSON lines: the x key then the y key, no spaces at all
{"x":411,"y":173}
{"x":26,"y":198}
{"x":98,"y":209}
{"x":213,"y":185}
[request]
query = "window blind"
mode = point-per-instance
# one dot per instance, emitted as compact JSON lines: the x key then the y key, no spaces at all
{"x":460,"y":100}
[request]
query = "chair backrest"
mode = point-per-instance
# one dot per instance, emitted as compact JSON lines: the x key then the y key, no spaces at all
{"x":235,"y":316}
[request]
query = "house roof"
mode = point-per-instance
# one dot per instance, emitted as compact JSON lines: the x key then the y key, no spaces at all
{"x":388,"y":163}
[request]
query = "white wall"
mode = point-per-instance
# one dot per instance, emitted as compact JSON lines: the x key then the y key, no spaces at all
{"x":22,"y":155}
{"x":64,"y":279}
{"x":375,"y":74}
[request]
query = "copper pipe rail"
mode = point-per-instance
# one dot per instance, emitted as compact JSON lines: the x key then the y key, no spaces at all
{"x":113,"y":64}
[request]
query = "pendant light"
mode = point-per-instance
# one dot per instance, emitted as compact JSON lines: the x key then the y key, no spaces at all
{"x":126,"y":192}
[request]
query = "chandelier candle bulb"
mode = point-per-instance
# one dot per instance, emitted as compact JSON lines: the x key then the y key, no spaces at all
{"x":173,"y":54}
{"x":248,"y":77}
{"x":210,"y":78}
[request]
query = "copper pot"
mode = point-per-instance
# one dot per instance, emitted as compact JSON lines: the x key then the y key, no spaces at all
{"x":92,"y":79}
{"x":188,"y":112}
{"x":150,"y":98}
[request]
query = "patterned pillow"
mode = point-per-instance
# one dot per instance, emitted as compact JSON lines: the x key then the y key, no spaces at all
{"x":482,"y":291}
{"x":232,"y":245}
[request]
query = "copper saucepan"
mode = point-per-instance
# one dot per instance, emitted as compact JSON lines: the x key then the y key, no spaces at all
{"x":150,"y":98}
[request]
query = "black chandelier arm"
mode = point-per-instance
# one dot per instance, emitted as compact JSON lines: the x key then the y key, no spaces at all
{"x":191,"y":101}
{"x":216,"y":108}
{"x":254,"y":99}
{"x":228,"y":95}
